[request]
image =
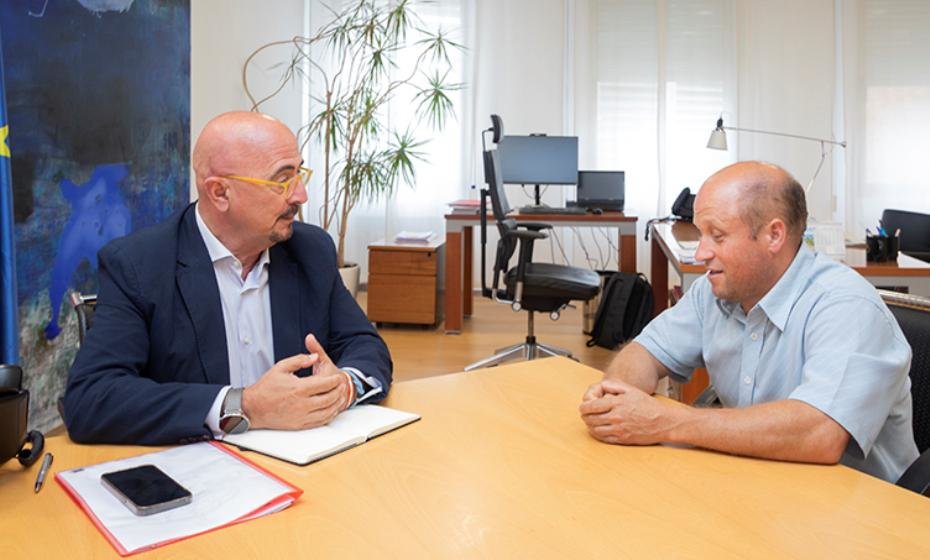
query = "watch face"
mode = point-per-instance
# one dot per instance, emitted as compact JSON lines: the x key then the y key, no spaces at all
{"x":234,"y":424}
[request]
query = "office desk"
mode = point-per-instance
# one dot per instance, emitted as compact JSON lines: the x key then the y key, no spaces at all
{"x":459,"y":258}
{"x":667,"y":249}
{"x":501,"y":466}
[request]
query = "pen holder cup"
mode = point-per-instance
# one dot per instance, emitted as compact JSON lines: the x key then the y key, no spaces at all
{"x":892,"y":248}
{"x":879,"y":248}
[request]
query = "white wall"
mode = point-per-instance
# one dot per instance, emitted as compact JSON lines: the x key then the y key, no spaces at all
{"x":786,"y":68}
{"x":223,"y":34}
{"x":778,"y":75}
{"x":783,"y":78}
{"x":519,"y":70}
{"x":519,"y":63}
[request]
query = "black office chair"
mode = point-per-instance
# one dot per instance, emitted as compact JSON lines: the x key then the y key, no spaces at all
{"x":915,"y":231}
{"x":84,"y":308}
{"x":529,"y":286}
{"x":913,"y":315}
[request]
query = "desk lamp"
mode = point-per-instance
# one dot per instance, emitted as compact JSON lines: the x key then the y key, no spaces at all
{"x":718,"y":141}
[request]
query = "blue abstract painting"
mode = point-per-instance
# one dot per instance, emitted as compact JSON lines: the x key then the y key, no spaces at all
{"x":98,"y":103}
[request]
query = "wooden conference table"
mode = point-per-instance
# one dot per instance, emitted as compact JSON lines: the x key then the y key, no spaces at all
{"x":501,"y":466}
{"x":459,"y":258}
{"x":673,"y":243}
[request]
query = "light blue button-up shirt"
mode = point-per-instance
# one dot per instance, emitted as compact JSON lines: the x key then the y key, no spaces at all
{"x":821,"y":335}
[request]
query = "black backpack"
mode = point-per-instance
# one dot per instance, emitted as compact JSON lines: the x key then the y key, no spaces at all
{"x":625,"y":309}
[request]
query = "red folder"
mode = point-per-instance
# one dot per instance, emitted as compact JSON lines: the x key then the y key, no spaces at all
{"x":279,"y":502}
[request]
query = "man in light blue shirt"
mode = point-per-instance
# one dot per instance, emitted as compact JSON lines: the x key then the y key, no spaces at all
{"x":808,"y":362}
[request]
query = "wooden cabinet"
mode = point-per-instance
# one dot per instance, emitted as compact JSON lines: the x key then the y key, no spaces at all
{"x":404,"y":282}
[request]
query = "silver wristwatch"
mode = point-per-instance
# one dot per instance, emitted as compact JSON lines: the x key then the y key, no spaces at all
{"x":232,"y":419}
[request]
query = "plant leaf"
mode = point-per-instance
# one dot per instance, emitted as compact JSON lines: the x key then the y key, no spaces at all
{"x":435,"y":105}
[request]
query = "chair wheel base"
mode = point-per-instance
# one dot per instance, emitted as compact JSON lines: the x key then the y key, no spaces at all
{"x":529,"y":350}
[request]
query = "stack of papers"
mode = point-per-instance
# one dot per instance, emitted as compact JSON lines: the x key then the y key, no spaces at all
{"x":688,"y":258}
{"x":227,"y":489}
{"x":465,"y":206}
{"x":413,"y":237}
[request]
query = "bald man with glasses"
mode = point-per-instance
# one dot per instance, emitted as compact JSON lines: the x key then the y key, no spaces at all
{"x":229,"y":315}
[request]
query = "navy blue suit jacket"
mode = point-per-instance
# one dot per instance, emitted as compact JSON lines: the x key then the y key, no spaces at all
{"x":155,"y":359}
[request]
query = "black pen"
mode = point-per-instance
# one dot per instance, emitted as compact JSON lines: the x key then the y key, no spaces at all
{"x":43,"y":471}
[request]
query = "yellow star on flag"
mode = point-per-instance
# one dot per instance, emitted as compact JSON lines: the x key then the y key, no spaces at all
{"x":4,"y":133}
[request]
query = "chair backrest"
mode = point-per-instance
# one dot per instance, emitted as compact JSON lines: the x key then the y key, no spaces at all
{"x":507,"y":244}
{"x":492,"y":174}
{"x":84,"y":307}
{"x":913,"y":316}
{"x":915,"y":229}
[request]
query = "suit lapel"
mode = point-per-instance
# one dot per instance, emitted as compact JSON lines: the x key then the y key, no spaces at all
{"x":197,"y":284}
{"x":285,"y":304}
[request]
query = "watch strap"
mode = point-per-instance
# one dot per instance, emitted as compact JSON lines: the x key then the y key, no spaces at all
{"x":232,"y":418}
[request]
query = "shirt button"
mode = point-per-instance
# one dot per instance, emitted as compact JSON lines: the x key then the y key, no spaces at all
{"x":247,"y":341}
{"x":747,"y":380}
{"x":754,"y":336}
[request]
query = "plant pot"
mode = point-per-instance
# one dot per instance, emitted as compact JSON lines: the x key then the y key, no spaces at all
{"x":350,"y":275}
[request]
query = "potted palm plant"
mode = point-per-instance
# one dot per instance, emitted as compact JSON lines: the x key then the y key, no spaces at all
{"x":367,"y":54}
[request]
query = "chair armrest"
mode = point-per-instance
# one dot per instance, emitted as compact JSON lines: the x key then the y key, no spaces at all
{"x":917,"y":476}
{"x":527,"y":239}
{"x":524,"y":234}
{"x":534,"y":226}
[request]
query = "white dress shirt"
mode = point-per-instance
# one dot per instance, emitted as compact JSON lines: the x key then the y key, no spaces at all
{"x":246,"y":307}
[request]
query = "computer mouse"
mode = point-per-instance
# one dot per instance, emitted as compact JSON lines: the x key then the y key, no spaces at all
{"x":595,"y":211}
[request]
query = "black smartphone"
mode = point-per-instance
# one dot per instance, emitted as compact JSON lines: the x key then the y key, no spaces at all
{"x":146,"y":489}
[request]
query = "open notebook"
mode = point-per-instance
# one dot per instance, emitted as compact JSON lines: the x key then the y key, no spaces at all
{"x":352,"y":427}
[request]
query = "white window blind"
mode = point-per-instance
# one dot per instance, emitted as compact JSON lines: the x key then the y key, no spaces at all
{"x":891,"y":106}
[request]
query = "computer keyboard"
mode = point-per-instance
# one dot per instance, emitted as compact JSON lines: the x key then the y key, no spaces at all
{"x":552,"y":210}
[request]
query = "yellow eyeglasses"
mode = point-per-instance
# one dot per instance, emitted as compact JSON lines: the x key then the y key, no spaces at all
{"x":285,"y":187}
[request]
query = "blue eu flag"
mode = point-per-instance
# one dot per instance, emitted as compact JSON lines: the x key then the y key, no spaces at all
{"x":9,"y":324}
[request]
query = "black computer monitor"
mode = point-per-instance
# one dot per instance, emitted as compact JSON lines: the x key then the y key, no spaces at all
{"x":539,"y":160}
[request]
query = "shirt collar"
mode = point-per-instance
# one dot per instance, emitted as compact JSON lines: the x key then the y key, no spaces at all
{"x":728,"y":308}
{"x":215,"y":247}
{"x":777,"y":303}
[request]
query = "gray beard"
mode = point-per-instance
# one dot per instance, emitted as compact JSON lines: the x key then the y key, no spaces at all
{"x":276,"y":237}
{"x":291,"y":211}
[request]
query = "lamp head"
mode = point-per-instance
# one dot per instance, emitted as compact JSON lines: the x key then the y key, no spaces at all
{"x":718,"y":138}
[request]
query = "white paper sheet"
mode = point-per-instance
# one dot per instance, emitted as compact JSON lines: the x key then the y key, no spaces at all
{"x":224,"y":487}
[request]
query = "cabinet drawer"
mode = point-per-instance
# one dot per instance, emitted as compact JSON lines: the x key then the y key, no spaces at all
{"x":412,"y":263}
{"x":395,"y":298}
